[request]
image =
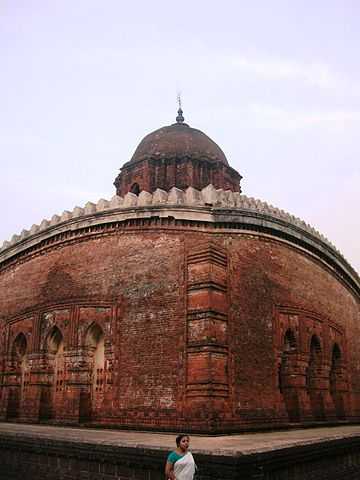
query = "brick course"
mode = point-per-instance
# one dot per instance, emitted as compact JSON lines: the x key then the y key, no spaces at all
{"x":194,"y":323}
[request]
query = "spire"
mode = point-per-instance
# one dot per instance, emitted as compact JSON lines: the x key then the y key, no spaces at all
{"x":179,"y":118}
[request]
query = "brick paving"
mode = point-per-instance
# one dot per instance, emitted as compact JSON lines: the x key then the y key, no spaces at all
{"x":239,"y":444}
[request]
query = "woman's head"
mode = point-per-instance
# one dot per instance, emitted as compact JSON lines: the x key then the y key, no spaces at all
{"x":182,"y":441}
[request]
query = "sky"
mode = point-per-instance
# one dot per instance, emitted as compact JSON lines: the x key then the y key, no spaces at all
{"x":276,"y":84}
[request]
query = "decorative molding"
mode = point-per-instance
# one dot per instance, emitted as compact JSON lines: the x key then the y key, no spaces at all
{"x":208,"y":205}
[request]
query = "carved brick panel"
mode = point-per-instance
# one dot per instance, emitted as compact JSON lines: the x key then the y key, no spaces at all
{"x":207,"y":307}
{"x":312,"y":363}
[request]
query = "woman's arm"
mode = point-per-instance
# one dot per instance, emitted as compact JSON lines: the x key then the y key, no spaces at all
{"x":169,"y":471}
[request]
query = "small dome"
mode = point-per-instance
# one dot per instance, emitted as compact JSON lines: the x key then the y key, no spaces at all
{"x":178,"y":140}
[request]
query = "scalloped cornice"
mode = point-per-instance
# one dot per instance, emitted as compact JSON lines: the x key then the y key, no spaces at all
{"x":207,"y":205}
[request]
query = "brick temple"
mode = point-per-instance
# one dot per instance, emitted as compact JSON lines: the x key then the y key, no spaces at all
{"x":179,"y":304}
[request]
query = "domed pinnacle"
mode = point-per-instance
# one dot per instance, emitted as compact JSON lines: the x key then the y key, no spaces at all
{"x":180,"y":118}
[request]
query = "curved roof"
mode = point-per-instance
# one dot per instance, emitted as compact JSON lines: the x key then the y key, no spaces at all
{"x":178,"y":140}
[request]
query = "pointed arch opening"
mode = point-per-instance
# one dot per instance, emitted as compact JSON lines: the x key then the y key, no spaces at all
{"x":20,"y":369}
{"x":135,"y":188}
{"x":336,"y":363}
{"x":95,"y":346}
{"x":286,"y":374}
{"x":336,"y":381}
{"x":289,"y":341}
{"x":289,"y":346}
{"x":314,"y":361}
{"x":52,"y":392}
{"x":54,"y":340}
{"x":313,"y":376}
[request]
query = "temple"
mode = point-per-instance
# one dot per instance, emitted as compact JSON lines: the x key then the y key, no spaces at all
{"x":178,"y":304}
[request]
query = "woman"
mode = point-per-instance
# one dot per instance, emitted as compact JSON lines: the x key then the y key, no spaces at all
{"x":180,"y":463}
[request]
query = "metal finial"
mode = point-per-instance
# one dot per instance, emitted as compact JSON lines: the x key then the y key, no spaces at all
{"x":179,"y":118}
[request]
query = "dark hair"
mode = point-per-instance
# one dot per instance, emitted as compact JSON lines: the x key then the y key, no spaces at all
{"x":180,"y":437}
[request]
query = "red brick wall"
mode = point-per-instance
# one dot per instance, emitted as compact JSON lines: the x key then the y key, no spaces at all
{"x":180,"y":173}
{"x":139,"y":287}
{"x":267,"y":274}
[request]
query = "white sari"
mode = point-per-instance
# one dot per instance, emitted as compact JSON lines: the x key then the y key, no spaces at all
{"x":184,"y":468}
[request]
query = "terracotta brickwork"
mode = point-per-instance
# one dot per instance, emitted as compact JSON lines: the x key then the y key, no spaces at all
{"x":176,"y":156}
{"x":165,"y":173}
{"x":179,"y":304}
{"x":176,"y":326}
{"x":207,"y":382}
{"x":99,"y":291}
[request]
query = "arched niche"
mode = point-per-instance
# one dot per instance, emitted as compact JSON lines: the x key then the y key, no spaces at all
{"x":95,"y":346}
{"x":19,"y":347}
{"x":287,"y":374}
{"x":336,"y":362}
{"x":315,"y":360}
{"x":313,"y":374}
{"x":55,"y":346}
{"x":336,"y":381}
{"x":135,"y":188}
{"x":289,"y":341}
{"x":288,"y":347}
{"x":52,"y":392}
{"x":20,"y":368}
{"x":54,"y":340}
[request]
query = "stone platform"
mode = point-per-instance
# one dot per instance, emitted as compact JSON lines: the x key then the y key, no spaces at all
{"x":62,"y":453}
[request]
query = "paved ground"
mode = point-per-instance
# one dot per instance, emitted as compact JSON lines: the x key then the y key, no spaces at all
{"x":225,"y":445}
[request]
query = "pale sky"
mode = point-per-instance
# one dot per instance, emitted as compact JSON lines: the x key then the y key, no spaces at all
{"x":275,"y":83}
